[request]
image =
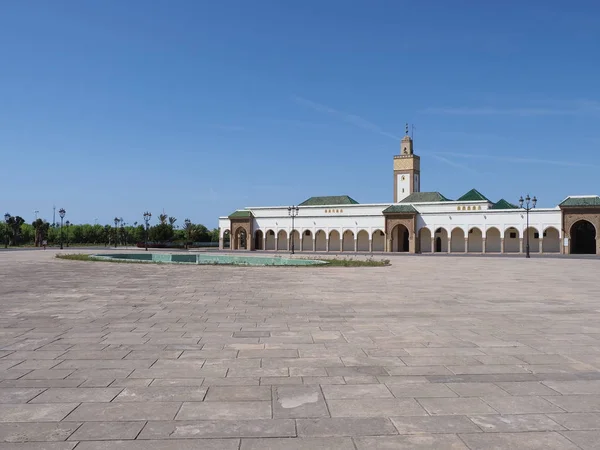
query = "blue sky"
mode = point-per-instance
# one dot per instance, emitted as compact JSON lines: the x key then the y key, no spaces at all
{"x":113,"y":108}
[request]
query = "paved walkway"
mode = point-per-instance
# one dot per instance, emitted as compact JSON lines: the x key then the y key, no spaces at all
{"x":444,"y":353}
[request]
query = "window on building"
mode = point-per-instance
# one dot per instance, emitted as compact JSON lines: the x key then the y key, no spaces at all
{"x":513,"y":235}
{"x":536,"y":235}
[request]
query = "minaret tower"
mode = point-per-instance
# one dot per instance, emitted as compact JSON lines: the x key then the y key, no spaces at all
{"x":407,"y":170}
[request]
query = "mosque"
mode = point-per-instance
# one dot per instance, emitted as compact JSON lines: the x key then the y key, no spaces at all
{"x":416,"y":222}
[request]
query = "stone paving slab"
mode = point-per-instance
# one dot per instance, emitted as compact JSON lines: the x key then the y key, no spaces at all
{"x":420,"y":354}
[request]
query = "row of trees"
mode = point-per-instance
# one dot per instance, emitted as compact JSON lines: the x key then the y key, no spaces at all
{"x":15,"y":231}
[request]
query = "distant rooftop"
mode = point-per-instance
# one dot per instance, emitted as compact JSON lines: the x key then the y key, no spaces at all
{"x":581,"y":200}
{"x":472,"y":196}
{"x":425,"y":197}
{"x":329,"y":200}
{"x":503,"y":204}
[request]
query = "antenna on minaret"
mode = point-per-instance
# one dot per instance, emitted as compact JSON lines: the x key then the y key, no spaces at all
{"x":412,"y":132}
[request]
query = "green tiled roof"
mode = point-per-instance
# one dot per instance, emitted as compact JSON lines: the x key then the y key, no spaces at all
{"x":472,"y":196}
{"x":331,"y":200}
{"x":399,"y":209}
{"x":422,"y":197}
{"x":240,"y":214}
{"x":590,"y":200}
{"x":503,"y":204}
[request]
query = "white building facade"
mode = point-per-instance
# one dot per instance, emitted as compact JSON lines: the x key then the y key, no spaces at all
{"x":416,"y":222}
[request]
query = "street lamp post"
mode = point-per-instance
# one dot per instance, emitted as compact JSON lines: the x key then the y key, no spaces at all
{"x":6,"y":219}
{"x":61,"y":213}
{"x":188,"y":228}
{"x":68,"y":224}
{"x":116,"y":231}
{"x":147,"y":217}
{"x":123,"y":238}
{"x":293,"y":212}
{"x":527,"y":208}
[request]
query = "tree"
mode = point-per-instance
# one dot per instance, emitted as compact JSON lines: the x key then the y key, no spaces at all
{"x":172,"y":221}
{"x":37,"y":225}
{"x":162,"y":219}
{"x":161,"y":233}
{"x":15,"y":223}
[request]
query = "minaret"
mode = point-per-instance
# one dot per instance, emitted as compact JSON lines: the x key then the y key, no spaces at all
{"x":407,"y":170}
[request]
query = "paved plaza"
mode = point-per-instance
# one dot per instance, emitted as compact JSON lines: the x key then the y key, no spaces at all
{"x":428,"y":353}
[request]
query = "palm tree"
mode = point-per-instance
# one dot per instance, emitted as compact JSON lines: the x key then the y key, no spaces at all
{"x":37,"y":225}
{"x":14,"y":223}
{"x":163,"y":219}
{"x":172,"y":220}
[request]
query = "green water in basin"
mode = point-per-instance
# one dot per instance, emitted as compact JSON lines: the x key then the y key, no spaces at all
{"x":210,"y":259}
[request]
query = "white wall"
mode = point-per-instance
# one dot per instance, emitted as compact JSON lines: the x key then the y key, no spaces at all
{"x":370,"y":218}
{"x":402,"y":185}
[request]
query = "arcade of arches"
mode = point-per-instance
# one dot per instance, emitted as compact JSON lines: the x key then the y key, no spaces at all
{"x":580,"y":230}
{"x":441,"y":240}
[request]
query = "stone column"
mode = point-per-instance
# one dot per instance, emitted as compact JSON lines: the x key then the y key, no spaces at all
{"x":521,"y":245}
{"x":341,"y":242}
{"x":276,"y":242}
{"x":449,"y":245}
{"x":483,"y":245}
{"x":542,"y":243}
{"x":302,"y":242}
{"x":314,"y":249}
{"x":501,"y":245}
{"x":327,"y":243}
{"x":432,"y":245}
{"x":466,"y":245}
{"x":370,"y":245}
{"x":221,"y":243}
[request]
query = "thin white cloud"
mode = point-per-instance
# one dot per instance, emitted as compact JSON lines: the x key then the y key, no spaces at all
{"x":228,"y":127}
{"x":583,"y":106}
{"x":346,"y":117}
{"x":453,"y":164}
{"x":517,"y":159}
{"x":490,"y":111}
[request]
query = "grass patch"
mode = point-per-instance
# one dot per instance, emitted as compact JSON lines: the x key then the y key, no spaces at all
{"x":86,"y":257}
{"x":349,"y":262}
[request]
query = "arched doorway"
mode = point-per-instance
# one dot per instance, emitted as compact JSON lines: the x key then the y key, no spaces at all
{"x":534,"y":239}
{"x":334,"y":241}
{"x":348,"y":241}
{"x":493,"y":241}
{"x":475,"y":241}
{"x":282,"y":242}
{"x":295,"y":240}
{"x":226,"y":239}
{"x":441,"y":240}
{"x":307,"y":241}
{"x":583,"y":238}
{"x":258,"y":240}
{"x":362,"y":239}
{"x":321,"y":241}
{"x":551,"y":241}
{"x":270,"y":240}
{"x":378,"y":241}
{"x":400,"y":239}
{"x":240,"y":240}
{"x":425,"y":240}
{"x":457,"y":240}
{"x":512,"y":243}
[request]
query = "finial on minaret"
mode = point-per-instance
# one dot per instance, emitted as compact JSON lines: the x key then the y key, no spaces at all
{"x":406,"y":130}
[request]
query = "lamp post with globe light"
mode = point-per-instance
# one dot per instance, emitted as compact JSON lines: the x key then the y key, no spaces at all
{"x":147,"y":217}
{"x":528,"y":201}
{"x":61,"y":213}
